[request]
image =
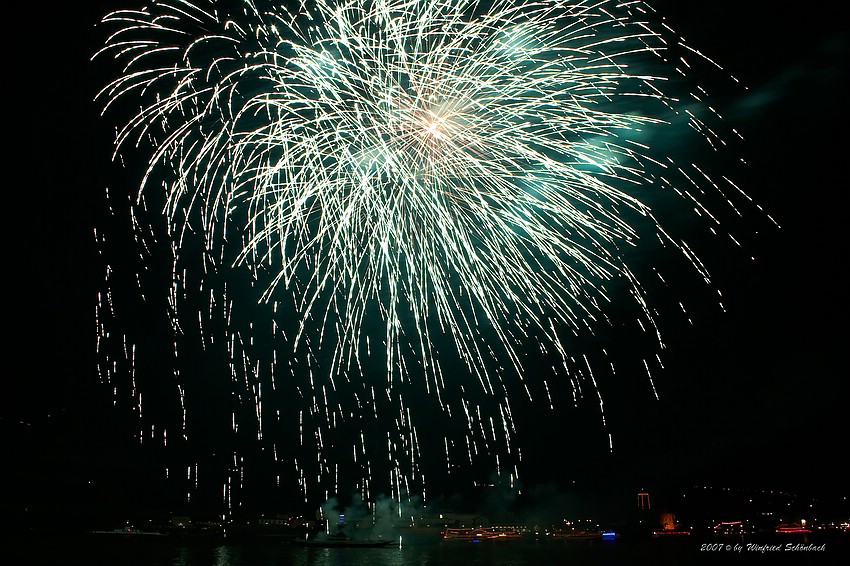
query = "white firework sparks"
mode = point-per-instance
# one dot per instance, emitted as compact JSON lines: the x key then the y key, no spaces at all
{"x":460,"y":169}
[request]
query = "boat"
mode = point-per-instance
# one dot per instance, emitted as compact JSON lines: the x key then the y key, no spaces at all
{"x":792,"y":528}
{"x":481,"y":534}
{"x":461,"y":534}
{"x":573,"y":534}
{"x":663,"y":533}
{"x":129,"y":531}
{"x":341,"y":540}
{"x":735,"y":529}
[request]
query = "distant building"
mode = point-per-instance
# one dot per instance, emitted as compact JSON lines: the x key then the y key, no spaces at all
{"x":181,"y":521}
{"x":454,"y":520}
{"x":668,"y":521}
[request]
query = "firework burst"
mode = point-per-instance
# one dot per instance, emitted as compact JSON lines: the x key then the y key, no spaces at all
{"x":410,"y":185}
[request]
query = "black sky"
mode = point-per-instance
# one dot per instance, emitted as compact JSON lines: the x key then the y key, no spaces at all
{"x":755,"y":396}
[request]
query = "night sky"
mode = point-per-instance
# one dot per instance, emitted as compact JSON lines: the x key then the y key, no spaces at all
{"x":752,"y":397}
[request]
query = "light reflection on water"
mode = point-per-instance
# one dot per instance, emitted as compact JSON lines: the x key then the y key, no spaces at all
{"x":433,"y":554}
{"x":265,"y":553}
{"x":269,"y":555}
{"x":69,"y":551}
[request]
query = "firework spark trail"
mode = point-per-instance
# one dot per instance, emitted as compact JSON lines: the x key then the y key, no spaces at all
{"x":445,"y":165}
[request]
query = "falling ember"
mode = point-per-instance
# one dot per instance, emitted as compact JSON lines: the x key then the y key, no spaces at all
{"x":372,"y":211}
